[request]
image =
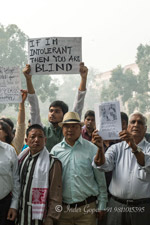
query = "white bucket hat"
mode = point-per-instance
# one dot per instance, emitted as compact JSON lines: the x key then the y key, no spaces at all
{"x":71,"y":117}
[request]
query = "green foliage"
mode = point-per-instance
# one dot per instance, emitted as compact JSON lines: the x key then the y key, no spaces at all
{"x":131,"y":89}
{"x":12,"y":46}
{"x":106,"y":94}
{"x":122,"y":84}
{"x":13,"y":43}
{"x":143,"y":58}
{"x":143,"y":87}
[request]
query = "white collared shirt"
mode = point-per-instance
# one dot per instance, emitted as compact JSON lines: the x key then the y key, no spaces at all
{"x":9,"y":177}
{"x":129,"y":179}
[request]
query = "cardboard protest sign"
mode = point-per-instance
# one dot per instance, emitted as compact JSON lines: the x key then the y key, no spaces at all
{"x":108,"y":120}
{"x":54,"y":55}
{"x":10,"y":85}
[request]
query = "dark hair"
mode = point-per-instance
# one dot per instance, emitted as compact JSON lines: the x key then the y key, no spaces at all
{"x":8,"y":121}
{"x":34,"y":126}
{"x":89,"y":113}
{"x":5,"y":127}
{"x":13,"y":132}
{"x":124,"y":117}
{"x":61,"y":104}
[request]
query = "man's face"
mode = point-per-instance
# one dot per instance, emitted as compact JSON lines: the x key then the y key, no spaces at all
{"x":71,"y":132}
{"x":36,"y":140}
{"x":55,"y":115}
{"x":136,"y":127}
{"x":90,"y":122}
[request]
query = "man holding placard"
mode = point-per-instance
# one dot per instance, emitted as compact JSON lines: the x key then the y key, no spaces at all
{"x":57,"y":109}
{"x":130,"y":185}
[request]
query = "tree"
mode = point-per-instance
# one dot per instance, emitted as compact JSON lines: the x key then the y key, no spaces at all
{"x":13,"y":53}
{"x":12,"y":45}
{"x":143,"y":89}
{"x":131,"y":89}
{"x":122,"y":85}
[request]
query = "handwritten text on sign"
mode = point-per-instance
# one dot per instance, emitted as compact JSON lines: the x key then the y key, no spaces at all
{"x":55,"y":55}
{"x":10,"y":85}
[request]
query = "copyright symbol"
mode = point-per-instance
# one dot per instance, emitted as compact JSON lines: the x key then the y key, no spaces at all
{"x":58,"y":208}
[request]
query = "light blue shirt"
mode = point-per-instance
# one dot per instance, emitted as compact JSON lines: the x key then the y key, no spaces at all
{"x":80,"y":180}
{"x":129,"y":179}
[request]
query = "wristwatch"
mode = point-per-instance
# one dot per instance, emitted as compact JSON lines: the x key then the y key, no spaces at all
{"x":137,"y":150}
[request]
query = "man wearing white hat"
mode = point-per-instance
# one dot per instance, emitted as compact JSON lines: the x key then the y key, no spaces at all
{"x":82,"y":184}
{"x":57,"y":109}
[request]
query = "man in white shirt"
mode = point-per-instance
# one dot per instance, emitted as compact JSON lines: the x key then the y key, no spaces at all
{"x":9,"y":184}
{"x":130,"y":185}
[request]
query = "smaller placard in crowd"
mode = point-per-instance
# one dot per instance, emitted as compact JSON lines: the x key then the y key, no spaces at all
{"x":108,"y":120}
{"x":10,"y":85}
{"x":54,"y":55}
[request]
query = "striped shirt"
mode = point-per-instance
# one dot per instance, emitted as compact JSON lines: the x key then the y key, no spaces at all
{"x":26,"y":174}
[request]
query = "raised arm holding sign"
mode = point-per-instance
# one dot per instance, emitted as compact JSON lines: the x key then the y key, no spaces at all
{"x":57,"y":108}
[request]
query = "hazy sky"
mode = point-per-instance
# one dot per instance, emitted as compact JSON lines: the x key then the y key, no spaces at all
{"x":111,"y":30}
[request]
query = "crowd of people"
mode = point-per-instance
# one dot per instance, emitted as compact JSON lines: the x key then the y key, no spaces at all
{"x":66,"y":174}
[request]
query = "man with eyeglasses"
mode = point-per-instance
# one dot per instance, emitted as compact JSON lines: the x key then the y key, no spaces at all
{"x":130,"y":185}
